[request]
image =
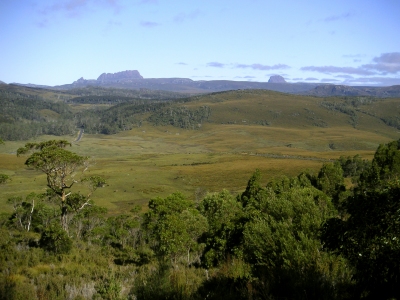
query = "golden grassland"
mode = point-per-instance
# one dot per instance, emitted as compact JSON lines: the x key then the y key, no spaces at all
{"x":150,"y":161}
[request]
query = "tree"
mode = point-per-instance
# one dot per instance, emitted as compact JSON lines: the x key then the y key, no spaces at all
{"x":88,"y":223}
{"x":353,"y":166}
{"x":370,"y":236}
{"x":175,"y":225}
{"x":26,"y":212}
{"x":385,"y":166}
{"x":223,"y":213}
{"x":60,"y":167}
{"x":281,"y":240}
{"x":330,"y":180}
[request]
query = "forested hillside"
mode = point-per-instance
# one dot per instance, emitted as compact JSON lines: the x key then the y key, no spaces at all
{"x":25,"y":115}
{"x":310,"y":236}
{"x":27,"y":112}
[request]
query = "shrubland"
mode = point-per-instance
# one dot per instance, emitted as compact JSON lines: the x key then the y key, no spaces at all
{"x":297,"y":237}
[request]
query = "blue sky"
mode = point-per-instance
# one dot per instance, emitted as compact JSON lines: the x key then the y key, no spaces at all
{"x":52,"y":42}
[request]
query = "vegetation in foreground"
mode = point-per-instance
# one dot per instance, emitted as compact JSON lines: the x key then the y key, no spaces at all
{"x":302,"y":237}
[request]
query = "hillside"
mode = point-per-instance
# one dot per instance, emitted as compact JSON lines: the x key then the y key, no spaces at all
{"x":27,"y":112}
{"x":108,"y":111}
{"x":270,"y":112}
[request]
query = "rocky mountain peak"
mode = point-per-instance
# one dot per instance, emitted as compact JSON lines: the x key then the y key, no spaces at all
{"x":129,"y":74}
{"x":276,"y":79}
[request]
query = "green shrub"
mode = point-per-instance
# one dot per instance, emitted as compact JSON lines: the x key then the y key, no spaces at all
{"x":55,"y":239}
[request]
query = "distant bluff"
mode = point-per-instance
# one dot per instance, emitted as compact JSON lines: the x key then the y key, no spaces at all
{"x":276,"y":79}
{"x":129,"y":74}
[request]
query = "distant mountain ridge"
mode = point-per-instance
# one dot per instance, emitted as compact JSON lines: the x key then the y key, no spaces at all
{"x":131,"y":79}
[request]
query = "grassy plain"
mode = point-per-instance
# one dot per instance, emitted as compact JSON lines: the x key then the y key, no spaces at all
{"x":298,"y":134}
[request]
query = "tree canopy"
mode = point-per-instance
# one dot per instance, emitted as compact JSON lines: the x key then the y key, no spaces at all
{"x":369,"y":236}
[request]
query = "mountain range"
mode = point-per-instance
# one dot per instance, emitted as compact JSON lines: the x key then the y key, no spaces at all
{"x":131,"y":79}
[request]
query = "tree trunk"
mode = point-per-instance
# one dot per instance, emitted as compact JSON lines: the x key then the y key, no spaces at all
{"x":64,"y":217}
{"x":30,"y":216}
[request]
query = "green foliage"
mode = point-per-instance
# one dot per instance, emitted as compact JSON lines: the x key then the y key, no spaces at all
{"x":330,"y":179}
{"x":109,"y":288}
{"x":385,"y":166}
{"x":181,"y":117}
{"x":392,"y":121}
{"x":27,"y":213}
{"x":55,"y":239}
{"x":16,"y":287}
{"x":353,"y":166}
{"x":4,"y":178}
{"x":123,"y":231}
{"x":369,"y":237}
{"x":24,"y":115}
{"x":21,"y":116}
{"x":223,"y":213}
{"x":180,"y":283}
{"x":282,"y":242}
{"x":89,"y":224}
{"x":252,"y":189}
{"x":280,"y":239}
{"x":349,"y":106}
{"x":175,"y":225}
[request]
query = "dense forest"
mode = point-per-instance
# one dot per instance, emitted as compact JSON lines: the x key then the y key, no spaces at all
{"x":305,"y":237}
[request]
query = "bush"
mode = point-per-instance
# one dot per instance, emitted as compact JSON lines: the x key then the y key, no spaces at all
{"x":55,"y":239}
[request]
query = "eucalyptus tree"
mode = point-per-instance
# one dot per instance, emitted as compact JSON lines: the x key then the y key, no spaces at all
{"x":61,"y":168}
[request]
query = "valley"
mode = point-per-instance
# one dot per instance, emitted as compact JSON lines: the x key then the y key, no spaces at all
{"x":280,"y":134}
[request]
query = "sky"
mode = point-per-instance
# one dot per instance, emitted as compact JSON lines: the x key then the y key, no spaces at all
{"x":54,"y":42}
